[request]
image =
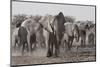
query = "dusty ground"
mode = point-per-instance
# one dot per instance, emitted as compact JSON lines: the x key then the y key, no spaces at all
{"x":38,"y":56}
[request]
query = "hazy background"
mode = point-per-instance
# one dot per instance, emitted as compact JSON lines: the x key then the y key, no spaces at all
{"x":79,"y":12}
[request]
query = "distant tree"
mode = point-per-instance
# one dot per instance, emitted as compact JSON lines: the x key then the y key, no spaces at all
{"x":90,"y":24}
{"x":70,"y":19}
{"x":36,"y":18}
{"x":18,"y":19}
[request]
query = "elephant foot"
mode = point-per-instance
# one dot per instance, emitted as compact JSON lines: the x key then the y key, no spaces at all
{"x":31,"y":51}
{"x":83,"y":46}
{"x":49,"y":54}
{"x":27,"y":50}
{"x":55,"y":56}
{"x":69,"y":48}
{"x":22,"y":53}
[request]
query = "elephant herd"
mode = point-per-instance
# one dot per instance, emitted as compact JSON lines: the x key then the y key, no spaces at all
{"x":54,"y":31}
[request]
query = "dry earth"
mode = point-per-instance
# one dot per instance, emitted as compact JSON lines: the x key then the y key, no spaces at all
{"x":38,"y":56}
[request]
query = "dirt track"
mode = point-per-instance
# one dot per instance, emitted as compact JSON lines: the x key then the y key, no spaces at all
{"x":38,"y":56}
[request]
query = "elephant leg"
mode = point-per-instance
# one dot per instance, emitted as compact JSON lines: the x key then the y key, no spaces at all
{"x":31,"y":46}
{"x":92,"y":39}
{"x":47,"y":43}
{"x":19,"y":43}
{"x":28,"y":41}
{"x":27,"y":47}
{"x":84,"y":41}
{"x":56,"y":49}
{"x":81,"y":42}
{"x":68,"y":45}
{"x":34,"y":46}
{"x":31,"y":43}
{"x":15,"y":44}
{"x":92,"y":43}
{"x":43,"y":44}
{"x":71,"y":42}
{"x":49,"y":48}
{"x":49,"y":51}
{"x":64,"y":45}
{"x":23,"y":47}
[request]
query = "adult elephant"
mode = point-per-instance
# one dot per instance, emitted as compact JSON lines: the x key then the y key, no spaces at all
{"x":57,"y":34}
{"x":91,"y":35}
{"x":71,"y":33}
{"x":83,"y":28}
{"x":22,"y":34}
{"x":46,"y":21}
{"x":32,"y":26}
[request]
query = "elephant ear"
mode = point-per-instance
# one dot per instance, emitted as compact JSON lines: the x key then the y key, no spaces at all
{"x":45,"y":22}
{"x":37,"y":18}
{"x":26,"y":22}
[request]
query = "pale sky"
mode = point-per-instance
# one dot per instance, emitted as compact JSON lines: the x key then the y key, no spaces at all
{"x":79,"y":12}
